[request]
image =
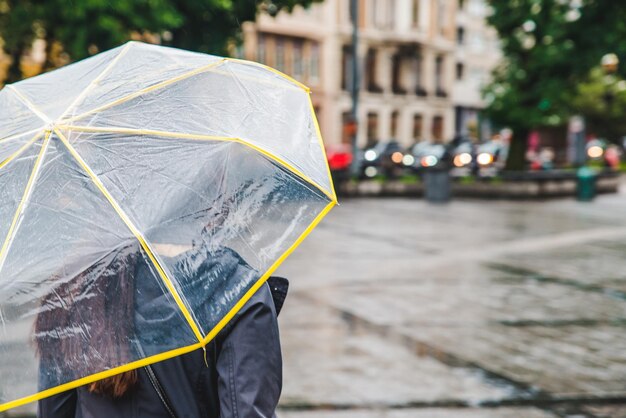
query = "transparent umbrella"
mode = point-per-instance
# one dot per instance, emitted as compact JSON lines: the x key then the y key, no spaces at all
{"x":170,"y":158}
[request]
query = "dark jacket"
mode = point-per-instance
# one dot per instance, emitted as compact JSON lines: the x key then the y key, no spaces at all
{"x":242,"y":375}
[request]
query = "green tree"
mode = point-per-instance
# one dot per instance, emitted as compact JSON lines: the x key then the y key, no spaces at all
{"x":85,"y":27}
{"x":601,"y":99}
{"x":549,"y":47}
{"x":81,"y":27}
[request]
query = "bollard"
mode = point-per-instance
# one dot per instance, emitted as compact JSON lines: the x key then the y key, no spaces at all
{"x":586,"y":184}
{"x":437,"y":185}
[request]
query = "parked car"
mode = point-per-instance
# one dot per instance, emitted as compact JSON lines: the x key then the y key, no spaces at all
{"x":491,"y":157}
{"x":385,"y":158}
{"x":463,"y":153}
{"x":423,"y":155}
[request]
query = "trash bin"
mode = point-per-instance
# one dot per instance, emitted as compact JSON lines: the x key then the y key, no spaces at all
{"x":437,"y":185}
{"x":586,"y":184}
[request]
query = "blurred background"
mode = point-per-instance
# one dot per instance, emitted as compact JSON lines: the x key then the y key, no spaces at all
{"x":475,"y":265}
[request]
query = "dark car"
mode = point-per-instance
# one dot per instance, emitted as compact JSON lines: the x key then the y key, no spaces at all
{"x":463,"y":153}
{"x":424,"y":154}
{"x":385,"y":158}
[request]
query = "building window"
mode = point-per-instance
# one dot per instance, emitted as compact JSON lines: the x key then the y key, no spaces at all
{"x":395,"y":116}
{"x":460,"y":71}
{"x":419,"y":87}
{"x":314,"y":70}
{"x":460,"y":35}
{"x":370,"y":72}
{"x":438,"y":128}
{"x":372,"y":128}
{"x":439,"y":87}
{"x":396,"y":75}
{"x":415,"y":13}
{"x":346,"y":68}
{"x":262,"y":50}
{"x":280,"y":54}
{"x":418,"y":122}
{"x":297,"y":64}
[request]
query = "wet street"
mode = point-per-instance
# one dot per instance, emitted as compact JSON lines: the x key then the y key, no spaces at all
{"x":476,"y":309}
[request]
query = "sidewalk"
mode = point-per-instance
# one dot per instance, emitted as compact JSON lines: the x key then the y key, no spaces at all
{"x":473,"y":309}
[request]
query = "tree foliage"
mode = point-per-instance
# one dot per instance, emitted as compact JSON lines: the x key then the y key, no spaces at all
{"x":549,"y":46}
{"x":602,"y":100}
{"x":82,"y":28}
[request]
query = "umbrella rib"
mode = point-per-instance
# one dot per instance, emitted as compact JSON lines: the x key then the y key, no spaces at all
{"x":96,"y":80}
{"x":12,"y":137}
{"x":135,"y":231}
{"x":19,"y":212}
{"x":29,"y":104}
{"x":19,"y":151}
{"x":198,"y":137}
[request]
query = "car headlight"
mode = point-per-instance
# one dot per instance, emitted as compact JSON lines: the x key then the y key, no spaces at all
{"x":408,"y":160}
{"x":370,"y":155}
{"x":429,"y":161}
{"x":595,"y":151}
{"x":484,"y":158}
{"x":462,"y":159}
{"x":396,"y":157}
{"x":371,"y":171}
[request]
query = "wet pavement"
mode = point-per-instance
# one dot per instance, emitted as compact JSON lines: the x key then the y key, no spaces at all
{"x":477,"y":309}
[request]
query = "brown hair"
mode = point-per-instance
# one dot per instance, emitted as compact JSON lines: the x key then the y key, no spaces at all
{"x":85,"y":324}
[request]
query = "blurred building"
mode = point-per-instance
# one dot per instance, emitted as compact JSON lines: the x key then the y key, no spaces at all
{"x":409,"y":61}
{"x":477,"y":52}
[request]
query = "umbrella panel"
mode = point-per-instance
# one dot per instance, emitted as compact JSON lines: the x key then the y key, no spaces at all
{"x":14,"y":177}
{"x":53,"y":92}
{"x":16,"y":119}
{"x":221,"y":196}
{"x":58,"y":290}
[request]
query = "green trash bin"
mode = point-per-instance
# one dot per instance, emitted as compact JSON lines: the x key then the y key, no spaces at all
{"x":586,"y":184}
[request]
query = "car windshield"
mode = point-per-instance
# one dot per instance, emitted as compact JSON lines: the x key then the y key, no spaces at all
{"x":425,"y":148}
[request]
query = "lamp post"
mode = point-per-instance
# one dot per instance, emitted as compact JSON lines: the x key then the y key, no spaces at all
{"x":354,"y":122}
{"x":610,"y":64}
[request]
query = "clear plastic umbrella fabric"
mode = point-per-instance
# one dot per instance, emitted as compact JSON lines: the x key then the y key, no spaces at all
{"x":145,"y":194}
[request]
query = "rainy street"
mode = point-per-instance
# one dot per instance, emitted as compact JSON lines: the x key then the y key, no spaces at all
{"x":475,"y":309}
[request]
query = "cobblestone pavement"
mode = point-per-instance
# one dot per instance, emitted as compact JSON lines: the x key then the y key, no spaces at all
{"x":477,"y":309}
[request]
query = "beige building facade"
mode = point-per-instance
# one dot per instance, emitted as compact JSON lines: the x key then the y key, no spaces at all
{"x":477,"y":53}
{"x":407,"y":55}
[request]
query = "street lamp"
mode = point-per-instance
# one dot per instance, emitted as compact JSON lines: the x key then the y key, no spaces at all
{"x":610,"y":63}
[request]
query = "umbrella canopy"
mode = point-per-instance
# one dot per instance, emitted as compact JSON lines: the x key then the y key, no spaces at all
{"x":198,"y":173}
